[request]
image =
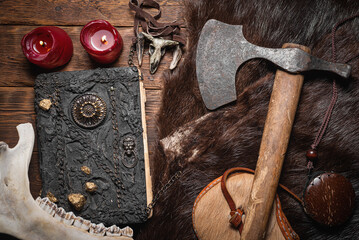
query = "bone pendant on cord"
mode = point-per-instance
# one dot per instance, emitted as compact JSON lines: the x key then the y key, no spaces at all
{"x":25,"y":218}
{"x":158,"y":49}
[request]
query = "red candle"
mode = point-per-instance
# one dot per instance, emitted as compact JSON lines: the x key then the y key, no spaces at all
{"x":102,"y":41}
{"x":47,"y":47}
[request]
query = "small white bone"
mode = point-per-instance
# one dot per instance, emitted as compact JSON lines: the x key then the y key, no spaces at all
{"x":69,"y":218}
{"x":82,"y":223}
{"x":98,"y":230}
{"x":38,"y":200}
{"x":127,"y":231}
{"x":48,"y":206}
{"x":113,"y":231}
{"x":52,"y":210}
{"x":43,"y":203}
{"x":60,"y":214}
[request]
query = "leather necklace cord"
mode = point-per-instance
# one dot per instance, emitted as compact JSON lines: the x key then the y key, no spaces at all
{"x":329,"y":111}
{"x":312,"y":154}
{"x":150,"y":24}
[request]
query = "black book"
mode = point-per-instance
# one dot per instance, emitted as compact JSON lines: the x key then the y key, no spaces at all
{"x":92,"y":143}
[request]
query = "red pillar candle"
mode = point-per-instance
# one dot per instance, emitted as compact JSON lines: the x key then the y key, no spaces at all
{"x":47,"y":47}
{"x":102,"y":41}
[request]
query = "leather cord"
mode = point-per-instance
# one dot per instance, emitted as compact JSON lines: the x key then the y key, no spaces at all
{"x":237,"y":213}
{"x":328,"y":114}
{"x":150,"y":24}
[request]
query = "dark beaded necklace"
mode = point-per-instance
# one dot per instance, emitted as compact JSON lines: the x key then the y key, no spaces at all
{"x":329,"y":198}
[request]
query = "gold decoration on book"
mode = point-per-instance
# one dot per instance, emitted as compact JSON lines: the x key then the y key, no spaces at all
{"x":77,"y":200}
{"x":86,"y":170}
{"x":45,"y":104}
{"x":51,"y":197}
{"x":90,"y":187}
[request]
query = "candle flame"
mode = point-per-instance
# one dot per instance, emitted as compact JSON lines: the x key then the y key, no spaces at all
{"x":104,"y":40}
{"x":42,"y":43}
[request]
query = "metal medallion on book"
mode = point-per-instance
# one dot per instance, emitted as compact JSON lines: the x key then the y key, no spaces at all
{"x":88,"y":110}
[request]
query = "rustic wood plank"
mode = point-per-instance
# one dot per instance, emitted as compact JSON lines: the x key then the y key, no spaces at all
{"x":77,"y":12}
{"x":34,"y":175}
{"x":17,"y":106}
{"x":16,"y":99}
{"x":153,"y":104}
{"x":16,"y":70}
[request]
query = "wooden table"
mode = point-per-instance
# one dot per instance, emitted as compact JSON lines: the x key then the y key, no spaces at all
{"x":17,"y":74}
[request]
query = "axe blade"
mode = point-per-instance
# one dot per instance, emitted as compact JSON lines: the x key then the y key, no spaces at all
{"x":215,"y":65}
{"x":222,"y":48}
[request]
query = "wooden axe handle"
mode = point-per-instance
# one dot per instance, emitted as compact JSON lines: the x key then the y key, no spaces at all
{"x":278,"y":126}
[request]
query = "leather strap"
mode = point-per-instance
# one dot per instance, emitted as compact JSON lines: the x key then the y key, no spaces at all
{"x":284,"y":225}
{"x":237,"y":213}
{"x":150,"y":24}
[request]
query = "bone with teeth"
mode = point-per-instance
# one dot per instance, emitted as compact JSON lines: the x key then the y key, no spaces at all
{"x":60,"y":213}
{"x":82,"y":223}
{"x":98,"y":229}
{"x":69,"y":218}
{"x":113,"y":231}
{"x":63,"y":216}
{"x":48,"y":206}
{"x":25,"y":218}
{"x":127,"y":231}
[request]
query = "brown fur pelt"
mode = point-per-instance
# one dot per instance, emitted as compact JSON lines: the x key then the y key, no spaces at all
{"x":230,"y":137}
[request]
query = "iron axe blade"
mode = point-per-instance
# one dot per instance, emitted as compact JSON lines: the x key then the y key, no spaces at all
{"x":222,"y":48}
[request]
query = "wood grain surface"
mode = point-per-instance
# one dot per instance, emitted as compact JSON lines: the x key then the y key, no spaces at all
{"x":78,"y":12}
{"x":17,"y":75}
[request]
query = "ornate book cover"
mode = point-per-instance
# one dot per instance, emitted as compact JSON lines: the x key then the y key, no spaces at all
{"x":92,"y":143}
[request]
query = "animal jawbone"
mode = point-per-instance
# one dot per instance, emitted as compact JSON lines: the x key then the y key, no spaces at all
{"x":26,"y":218}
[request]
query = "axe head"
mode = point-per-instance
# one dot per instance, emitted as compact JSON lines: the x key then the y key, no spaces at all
{"x":222,"y":48}
{"x":215,"y":64}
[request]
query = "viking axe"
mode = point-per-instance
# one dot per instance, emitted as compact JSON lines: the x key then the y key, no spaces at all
{"x":221,"y":49}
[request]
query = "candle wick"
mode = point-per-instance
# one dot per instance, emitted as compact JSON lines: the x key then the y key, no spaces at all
{"x":104,"y":40}
{"x":43,"y":44}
